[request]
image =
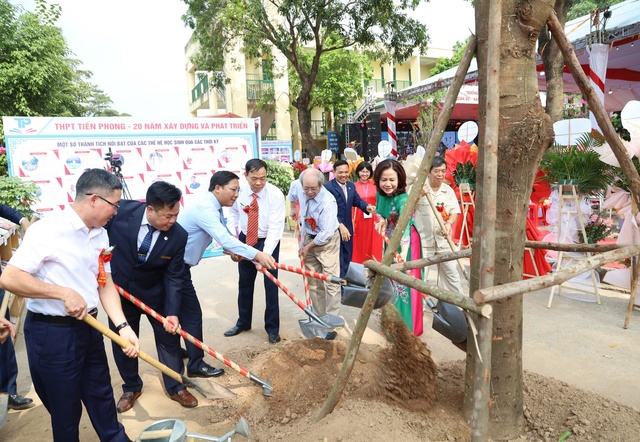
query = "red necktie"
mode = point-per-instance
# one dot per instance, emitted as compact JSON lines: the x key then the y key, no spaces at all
{"x":252,"y":223}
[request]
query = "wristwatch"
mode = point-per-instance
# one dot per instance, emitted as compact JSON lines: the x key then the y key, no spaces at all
{"x":121,"y":326}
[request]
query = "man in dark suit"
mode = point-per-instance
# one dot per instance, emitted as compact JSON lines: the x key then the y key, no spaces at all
{"x":148,"y":262}
{"x":344,"y":191}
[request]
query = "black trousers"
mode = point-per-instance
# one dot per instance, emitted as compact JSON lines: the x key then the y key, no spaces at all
{"x":246,"y":282}
{"x":8,"y":364}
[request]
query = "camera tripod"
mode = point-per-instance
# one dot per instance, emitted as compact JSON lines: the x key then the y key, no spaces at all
{"x":117,"y":171}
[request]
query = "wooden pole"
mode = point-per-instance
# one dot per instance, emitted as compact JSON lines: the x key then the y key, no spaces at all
{"x":579,"y":248}
{"x":595,"y":106}
{"x":634,"y":287}
{"x":403,"y":221}
{"x":449,"y":240}
{"x":425,"y":262}
{"x":541,"y":282}
{"x":485,"y":229}
{"x":454,"y":298}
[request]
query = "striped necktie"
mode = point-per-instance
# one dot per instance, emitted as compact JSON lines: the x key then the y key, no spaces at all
{"x":252,"y":223}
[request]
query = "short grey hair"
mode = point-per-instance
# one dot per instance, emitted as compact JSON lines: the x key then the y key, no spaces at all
{"x":97,"y":181}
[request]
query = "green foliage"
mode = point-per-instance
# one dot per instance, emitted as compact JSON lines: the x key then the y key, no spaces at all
{"x":338,"y":85}
{"x":465,"y":173}
{"x":596,"y":229}
{"x":18,"y":194}
{"x":447,"y":63}
{"x":37,"y":75}
{"x":585,"y":7}
{"x":384,"y":28}
{"x":621,"y":179}
{"x":430,"y":108}
{"x":280,"y":175}
{"x":580,"y":163}
{"x":616,"y":121}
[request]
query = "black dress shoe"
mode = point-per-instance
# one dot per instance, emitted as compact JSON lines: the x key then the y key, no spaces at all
{"x":235,"y":330}
{"x":18,"y":402}
{"x":206,"y":371}
{"x":274,"y":338}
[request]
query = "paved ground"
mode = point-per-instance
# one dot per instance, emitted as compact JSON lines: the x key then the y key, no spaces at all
{"x":578,"y":342}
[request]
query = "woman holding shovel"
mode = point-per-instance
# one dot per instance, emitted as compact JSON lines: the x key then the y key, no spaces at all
{"x":390,"y":179}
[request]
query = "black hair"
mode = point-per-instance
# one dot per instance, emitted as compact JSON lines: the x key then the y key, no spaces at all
{"x":254,"y":165}
{"x":97,"y":181}
{"x":437,"y":162}
{"x":161,"y":194}
{"x":364,"y":165}
{"x":221,"y":178}
{"x":402,"y":176}
{"x":340,"y":163}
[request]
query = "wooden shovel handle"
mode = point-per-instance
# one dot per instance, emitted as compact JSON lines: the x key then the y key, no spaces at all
{"x":93,"y":322}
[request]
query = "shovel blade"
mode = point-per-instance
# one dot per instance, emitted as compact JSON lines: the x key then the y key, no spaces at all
{"x":4,"y":407}
{"x":209,"y":389}
{"x":357,"y":288}
{"x":450,"y":322}
{"x":311,"y":329}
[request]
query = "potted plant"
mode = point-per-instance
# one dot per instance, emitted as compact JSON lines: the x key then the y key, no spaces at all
{"x":14,"y":192}
{"x":578,"y":165}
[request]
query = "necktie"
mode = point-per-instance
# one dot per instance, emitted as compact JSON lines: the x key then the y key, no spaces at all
{"x":146,"y":245}
{"x":252,"y":223}
{"x":344,"y":189}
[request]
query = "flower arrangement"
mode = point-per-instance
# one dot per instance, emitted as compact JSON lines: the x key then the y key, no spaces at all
{"x":596,"y":229}
{"x":326,"y":168}
{"x":298,"y":168}
{"x":461,"y":164}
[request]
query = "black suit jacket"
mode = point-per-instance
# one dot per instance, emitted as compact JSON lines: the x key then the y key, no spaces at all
{"x":158,"y":281}
{"x":345,"y":205}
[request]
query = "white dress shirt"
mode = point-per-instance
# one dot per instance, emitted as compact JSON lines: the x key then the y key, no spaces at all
{"x":61,"y":250}
{"x":271,"y":214}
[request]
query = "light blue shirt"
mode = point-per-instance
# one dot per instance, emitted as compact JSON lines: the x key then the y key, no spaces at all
{"x":202,"y":221}
{"x":324,"y":210}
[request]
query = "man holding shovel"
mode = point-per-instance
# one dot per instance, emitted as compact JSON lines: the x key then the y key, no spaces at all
{"x":321,"y":243}
{"x":203,"y":220}
{"x":148,"y":261}
{"x":62,"y":266}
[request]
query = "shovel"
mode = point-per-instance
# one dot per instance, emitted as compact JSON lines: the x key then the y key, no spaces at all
{"x":216,"y":391}
{"x":267,"y":388}
{"x":313,"y":327}
{"x":448,"y":320}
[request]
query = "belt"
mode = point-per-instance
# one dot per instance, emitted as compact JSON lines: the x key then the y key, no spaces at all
{"x":50,"y":319}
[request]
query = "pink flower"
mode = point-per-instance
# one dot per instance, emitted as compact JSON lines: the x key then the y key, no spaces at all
{"x":593,"y":218}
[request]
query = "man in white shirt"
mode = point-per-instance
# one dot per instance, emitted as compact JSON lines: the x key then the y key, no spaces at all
{"x":58,"y":267}
{"x":259,"y":212}
{"x":321,"y":242}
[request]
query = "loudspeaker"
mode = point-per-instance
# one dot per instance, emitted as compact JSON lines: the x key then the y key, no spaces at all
{"x":373,"y":135}
{"x":356,"y":134}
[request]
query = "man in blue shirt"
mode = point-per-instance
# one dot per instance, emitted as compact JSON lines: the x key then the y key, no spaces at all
{"x":204,"y":222}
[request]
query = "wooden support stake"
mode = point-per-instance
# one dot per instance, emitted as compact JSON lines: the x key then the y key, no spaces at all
{"x":595,"y":106}
{"x":444,"y":295}
{"x":403,"y":221}
{"x":425,"y":262}
{"x":578,"y":248}
{"x":541,"y":282}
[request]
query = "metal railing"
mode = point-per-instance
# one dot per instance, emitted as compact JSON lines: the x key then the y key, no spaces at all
{"x":379,"y":84}
{"x":200,"y":89}
{"x":257,"y":87}
{"x":318,"y":128}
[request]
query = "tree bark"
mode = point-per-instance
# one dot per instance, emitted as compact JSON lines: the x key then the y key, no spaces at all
{"x":525,"y":134}
{"x":554,"y":63}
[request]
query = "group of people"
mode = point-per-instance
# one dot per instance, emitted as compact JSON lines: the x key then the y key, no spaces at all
{"x":78,"y":258}
{"x":343,"y":222}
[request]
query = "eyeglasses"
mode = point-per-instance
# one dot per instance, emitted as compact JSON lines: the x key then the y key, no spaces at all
{"x":310,"y":189}
{"x":114,"y":205}
{"x":234,"y":189}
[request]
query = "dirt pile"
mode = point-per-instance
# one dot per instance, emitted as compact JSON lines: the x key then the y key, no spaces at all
{"x":406,"y":372}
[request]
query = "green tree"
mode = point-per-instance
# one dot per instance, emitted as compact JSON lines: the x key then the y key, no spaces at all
{"x":447,"y":63}
{"x":37,"y":75}
{"x":383,"y":28}
{"x":585,"y":7}
{"x":338,"y":86}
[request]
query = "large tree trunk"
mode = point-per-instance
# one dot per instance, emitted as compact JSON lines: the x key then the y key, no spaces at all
{"x":554,"y":63}
{"x":525,"y":133}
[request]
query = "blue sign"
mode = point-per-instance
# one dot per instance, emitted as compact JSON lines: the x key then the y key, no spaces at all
{"x":333,"y":141}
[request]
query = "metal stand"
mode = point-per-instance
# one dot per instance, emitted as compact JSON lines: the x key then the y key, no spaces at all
{"x":569,"y":193}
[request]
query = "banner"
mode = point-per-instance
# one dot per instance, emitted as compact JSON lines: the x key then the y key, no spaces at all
{"x":53,"y":152}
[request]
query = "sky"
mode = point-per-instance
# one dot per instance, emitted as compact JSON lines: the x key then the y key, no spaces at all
{"x":135,"y":48}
